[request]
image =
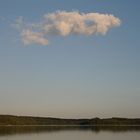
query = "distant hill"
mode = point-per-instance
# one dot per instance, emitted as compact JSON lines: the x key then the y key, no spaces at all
{"x":28,"y":120}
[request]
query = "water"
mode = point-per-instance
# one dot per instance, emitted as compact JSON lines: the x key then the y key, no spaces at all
{"x":69,"y":133}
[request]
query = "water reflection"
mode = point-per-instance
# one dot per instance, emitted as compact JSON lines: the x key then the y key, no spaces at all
{"x":11,"y":130}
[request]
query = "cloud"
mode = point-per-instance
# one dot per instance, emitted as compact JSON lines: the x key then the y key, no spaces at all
{"x":29,"y":37}
{"x":65,"y":23}
{"x":19,"y":23}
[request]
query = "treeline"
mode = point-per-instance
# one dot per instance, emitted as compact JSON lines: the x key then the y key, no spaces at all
{"x":26,"y":120}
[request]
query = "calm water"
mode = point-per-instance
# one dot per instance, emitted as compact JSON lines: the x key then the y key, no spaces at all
{"x":69,"y":133}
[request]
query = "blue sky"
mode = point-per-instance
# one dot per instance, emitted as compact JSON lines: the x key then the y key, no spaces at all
{"x":74,"y":76}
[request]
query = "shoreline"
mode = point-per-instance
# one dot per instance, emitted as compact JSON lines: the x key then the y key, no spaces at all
{"x":9,"y":120}
{"x":71,"y":125}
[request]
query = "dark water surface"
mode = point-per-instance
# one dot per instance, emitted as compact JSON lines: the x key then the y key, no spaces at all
{"x":69,"y":132}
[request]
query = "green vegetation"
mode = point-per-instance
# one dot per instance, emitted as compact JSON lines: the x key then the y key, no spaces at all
{"x":26,"y":120}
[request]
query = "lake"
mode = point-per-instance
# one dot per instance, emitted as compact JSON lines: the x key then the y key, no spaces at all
{"x":69,"y":132}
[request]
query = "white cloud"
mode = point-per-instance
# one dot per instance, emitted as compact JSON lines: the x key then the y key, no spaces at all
{"x":29,"y":37}
{"x":65,"y":23}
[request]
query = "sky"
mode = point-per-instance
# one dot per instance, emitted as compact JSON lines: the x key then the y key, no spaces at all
{"x":70,"y":59}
